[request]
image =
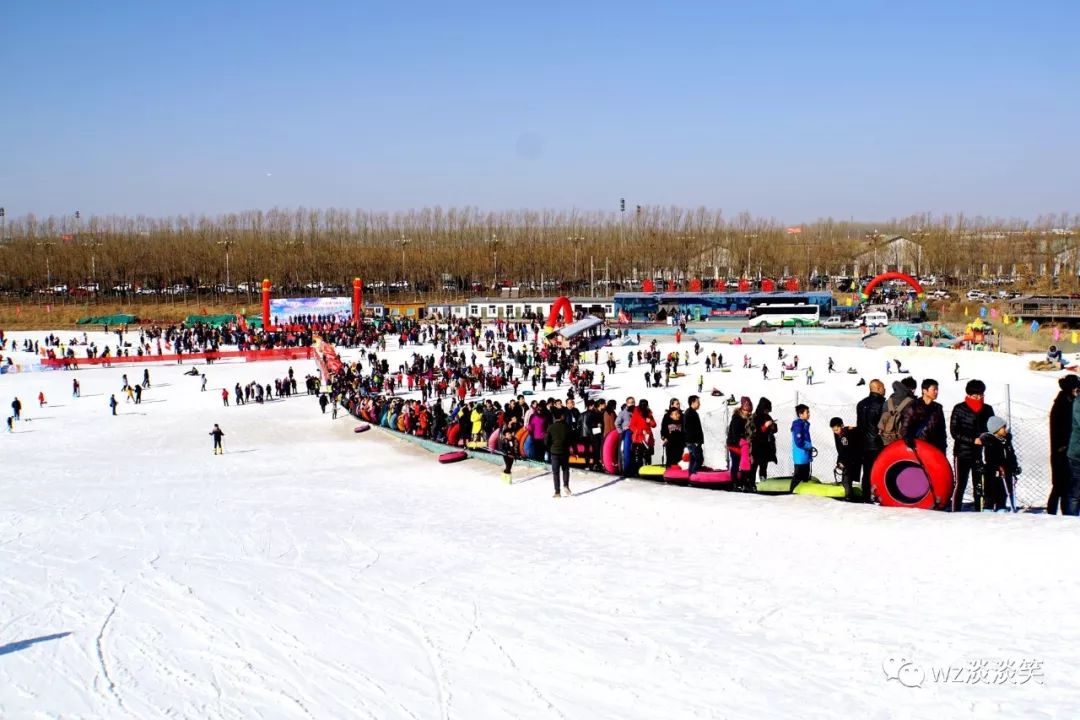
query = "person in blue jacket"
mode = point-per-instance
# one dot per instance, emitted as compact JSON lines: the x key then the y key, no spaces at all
{"x":802,"y":449}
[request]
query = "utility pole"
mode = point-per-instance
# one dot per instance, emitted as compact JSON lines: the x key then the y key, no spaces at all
{"x":3,"y":225}
{"x":592,"y":277}
{"x":93,"y":263}
{"x":403,"y":242}
{"x":495,"y":255}
{"x":228,"y":278}
{"x":78,"y":224}
{"x":48,"y":266}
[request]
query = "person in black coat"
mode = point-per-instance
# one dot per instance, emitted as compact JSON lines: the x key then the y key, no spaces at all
{"x":1060,"y":430}
{"x":967,"y":425}
{"x":924,"y":419}
{"x":848,"y":456}
{"x":674,"y":438}
{"x":763,"y":439}
{"x":693,"y":435}
{"x":867,"y":415}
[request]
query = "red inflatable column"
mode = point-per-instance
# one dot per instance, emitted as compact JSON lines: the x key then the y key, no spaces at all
{"x":357,"y":299}
{"x":266,"y":304}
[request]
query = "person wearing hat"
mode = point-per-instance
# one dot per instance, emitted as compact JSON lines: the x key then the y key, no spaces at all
{"x":1060,"y":429}
{"x":740,"y":429}
{"x":967,"y":424}
{"x":999,"y":464}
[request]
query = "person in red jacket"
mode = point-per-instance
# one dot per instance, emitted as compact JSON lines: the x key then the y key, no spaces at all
{"x":641,"y":436}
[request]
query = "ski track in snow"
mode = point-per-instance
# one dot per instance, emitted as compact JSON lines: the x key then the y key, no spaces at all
{"x":311,"y":572}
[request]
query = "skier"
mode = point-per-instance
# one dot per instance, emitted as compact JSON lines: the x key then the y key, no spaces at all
{"x":217,"y":434}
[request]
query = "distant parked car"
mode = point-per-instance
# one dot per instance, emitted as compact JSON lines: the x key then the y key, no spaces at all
{"x":835,"y":321}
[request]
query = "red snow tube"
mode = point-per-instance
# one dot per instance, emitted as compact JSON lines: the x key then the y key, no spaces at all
{"x":453,"y":457}
{"x":452,"y":433}
{"x":920,"y":478}
{"x":362,"y":427}
{"x":714,"y":479}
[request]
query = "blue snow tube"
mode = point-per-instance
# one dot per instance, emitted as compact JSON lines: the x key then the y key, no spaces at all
{"x":391,"y":420}
{"x":627,"y":454}
{"x":529,"y":446}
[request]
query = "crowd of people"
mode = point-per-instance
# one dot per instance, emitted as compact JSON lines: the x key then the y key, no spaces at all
{"x":456,"y":362}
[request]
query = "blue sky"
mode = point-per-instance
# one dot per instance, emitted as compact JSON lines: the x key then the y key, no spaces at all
{"x":792,"y":110}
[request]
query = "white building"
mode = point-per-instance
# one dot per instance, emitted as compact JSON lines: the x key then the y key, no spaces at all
{"x":489,"y":308}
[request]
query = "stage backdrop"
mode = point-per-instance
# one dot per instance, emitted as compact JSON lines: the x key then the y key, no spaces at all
{"x":281,"y":309}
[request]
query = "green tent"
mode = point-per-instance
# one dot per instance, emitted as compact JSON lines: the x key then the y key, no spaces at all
{"x":219,"y":320}
{"x":119,"y":319}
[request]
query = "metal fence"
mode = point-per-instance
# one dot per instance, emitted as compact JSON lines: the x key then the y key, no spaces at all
{"x":1028,"y":424}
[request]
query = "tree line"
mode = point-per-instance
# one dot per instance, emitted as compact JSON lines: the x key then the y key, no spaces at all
{"x":441,"y":250}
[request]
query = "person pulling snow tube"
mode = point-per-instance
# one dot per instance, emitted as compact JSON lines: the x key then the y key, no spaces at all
{"x":919,"y":477}
{"x":453,"y":457}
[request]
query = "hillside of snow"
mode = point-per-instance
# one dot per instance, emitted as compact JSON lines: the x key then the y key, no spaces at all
{"x":314,"y":572}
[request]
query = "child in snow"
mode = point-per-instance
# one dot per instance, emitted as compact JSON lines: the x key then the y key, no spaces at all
{"x":41,"y":399}
{"x":848,"y":455}
{"x":802,"y":449}
{"x":999,"y":464}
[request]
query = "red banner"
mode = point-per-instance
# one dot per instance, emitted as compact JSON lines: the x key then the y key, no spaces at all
{"x":290,"y":353}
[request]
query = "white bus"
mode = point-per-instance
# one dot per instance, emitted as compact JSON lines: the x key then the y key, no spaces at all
{"x":784,"y":315}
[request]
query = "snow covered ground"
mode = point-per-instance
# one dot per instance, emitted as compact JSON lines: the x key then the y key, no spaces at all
{"x":314,"y":572}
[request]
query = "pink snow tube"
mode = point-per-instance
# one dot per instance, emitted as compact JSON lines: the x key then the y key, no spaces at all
{"x":715,"y":479}
{"x":493,"y":441}
{"x":453,"y":457}
{"x":676,"y":474}
{"x":610,"y":452}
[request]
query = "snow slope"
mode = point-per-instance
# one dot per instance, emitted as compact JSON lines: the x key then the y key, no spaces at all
{"x":313,"y":572}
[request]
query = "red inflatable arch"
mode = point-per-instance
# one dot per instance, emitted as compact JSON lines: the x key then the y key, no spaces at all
{"x":892,"y":276}
{"x":561,"y":304}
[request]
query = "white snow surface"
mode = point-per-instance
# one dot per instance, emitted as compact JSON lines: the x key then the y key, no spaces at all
{"x":311,"y":572}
